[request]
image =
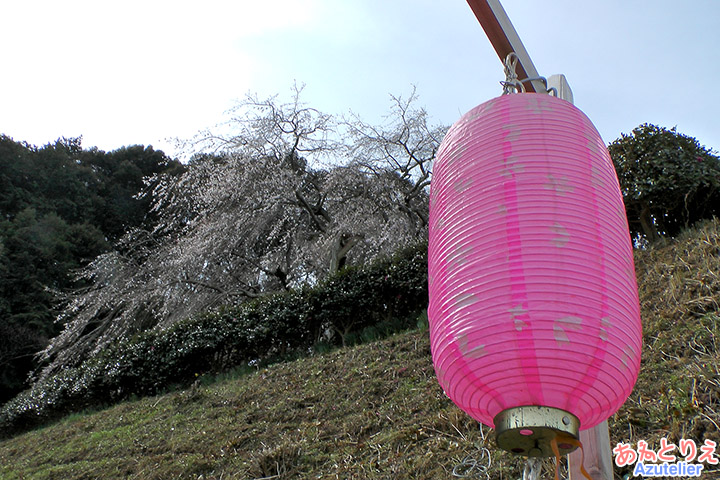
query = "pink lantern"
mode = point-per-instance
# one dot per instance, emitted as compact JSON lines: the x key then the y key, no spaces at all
{"x":534,"y":314}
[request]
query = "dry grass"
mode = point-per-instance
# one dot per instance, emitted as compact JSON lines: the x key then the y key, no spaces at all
{"x":678,"y":390}
{"x":373,"y":411}
{"x":376,"y":411}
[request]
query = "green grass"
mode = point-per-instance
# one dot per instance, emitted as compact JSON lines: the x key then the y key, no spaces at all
{"x":375,"y":411}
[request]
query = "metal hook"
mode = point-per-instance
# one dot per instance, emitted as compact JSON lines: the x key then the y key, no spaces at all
{"x":542,"y":79}
{"x":512,"y":84}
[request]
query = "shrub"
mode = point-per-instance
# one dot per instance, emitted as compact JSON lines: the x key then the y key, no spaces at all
{"x":668,"y":180}
{"x":359,"y":303}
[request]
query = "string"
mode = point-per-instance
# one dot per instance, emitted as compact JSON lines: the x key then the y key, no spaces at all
{"x":564,"y":438}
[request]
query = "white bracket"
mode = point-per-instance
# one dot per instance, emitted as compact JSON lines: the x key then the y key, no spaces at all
{"x":561,"y":86}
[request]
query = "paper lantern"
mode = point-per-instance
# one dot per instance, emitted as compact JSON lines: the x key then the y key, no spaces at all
{"x":534,"y":313}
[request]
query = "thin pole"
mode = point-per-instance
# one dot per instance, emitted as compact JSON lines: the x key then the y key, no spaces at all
{"x":598,"y":456}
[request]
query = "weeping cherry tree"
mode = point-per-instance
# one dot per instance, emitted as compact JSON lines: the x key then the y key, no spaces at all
{"x":277,"y":203}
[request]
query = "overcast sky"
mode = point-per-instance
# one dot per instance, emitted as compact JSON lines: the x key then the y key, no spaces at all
{"x":141,"y":71}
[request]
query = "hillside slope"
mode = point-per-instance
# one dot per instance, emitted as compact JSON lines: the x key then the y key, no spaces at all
{"x":376,"y":411}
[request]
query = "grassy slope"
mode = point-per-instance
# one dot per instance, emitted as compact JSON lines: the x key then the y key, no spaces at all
{"x":376,"y":411}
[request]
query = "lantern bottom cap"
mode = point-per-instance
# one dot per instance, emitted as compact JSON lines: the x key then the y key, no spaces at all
{"x":533,"y":431}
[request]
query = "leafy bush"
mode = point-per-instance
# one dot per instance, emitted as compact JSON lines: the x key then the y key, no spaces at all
{"x":357,"y":304}
{"x":668,"y":180}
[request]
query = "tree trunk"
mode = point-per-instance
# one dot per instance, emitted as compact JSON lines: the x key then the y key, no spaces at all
{"x":342,"y":245}
{"x":646,"y":222}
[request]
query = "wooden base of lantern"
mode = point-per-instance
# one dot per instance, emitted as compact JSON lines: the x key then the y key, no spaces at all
{"x":530,"y":430}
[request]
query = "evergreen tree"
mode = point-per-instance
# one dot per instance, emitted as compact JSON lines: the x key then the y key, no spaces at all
{"x":60,"y":207}
{"x":668,"y":180}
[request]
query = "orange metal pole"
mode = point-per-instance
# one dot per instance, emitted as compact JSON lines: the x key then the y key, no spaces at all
{"x":504,"y":39}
